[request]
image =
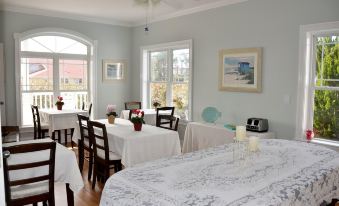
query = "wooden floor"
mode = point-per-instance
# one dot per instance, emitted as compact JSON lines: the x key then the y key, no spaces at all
{"x":86,"y":197}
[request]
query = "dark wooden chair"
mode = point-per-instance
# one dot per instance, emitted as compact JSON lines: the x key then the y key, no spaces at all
{"x":89,"y":109}
{"x":132,"y":105}
{"x":10,"y":130}
{"x":33,"y":189}
{"x":85,"y":144}
{"x":103,"y":158}
{"x":171,"y":120}
{"x":163,"y":112}
{"x":40,"y":130}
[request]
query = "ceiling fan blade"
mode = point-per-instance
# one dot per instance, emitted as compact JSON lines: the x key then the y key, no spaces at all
{"x":172,"y":3}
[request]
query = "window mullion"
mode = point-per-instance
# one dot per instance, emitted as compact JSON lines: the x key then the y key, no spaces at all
{"x":170,"y":77}
{"x":149,"y":80}
{"x":56,"y":77}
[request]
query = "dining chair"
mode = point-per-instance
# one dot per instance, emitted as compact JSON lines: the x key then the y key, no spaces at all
{"x":85,"y":144}
{"x":40,"y":130}
{"x":165,"y":111}
{"x":10,"y":130}
{"x":89,"y":109}
{"x":132,"y":105}
{"x":171,"y":119}
{"x":32,"y":189}
{"x":103,"y":158}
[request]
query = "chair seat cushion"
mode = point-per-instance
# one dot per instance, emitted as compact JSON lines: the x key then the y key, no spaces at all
{"x":112,"y":155}
{"x":29,"y":190}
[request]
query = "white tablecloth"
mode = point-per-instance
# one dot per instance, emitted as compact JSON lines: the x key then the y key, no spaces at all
{"x":150,"y":115}
{"x":66,"y":166}
{"x":137,"y":147}
{"x":283,"y":173}
{"x":60,"y":119}
{"x":204,"y":135}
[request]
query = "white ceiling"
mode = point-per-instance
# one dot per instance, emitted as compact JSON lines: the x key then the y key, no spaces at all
{"x":117,"y":12}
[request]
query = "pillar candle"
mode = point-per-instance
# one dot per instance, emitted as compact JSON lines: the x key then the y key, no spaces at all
{"x":240,"y":132}
{"x":253,"y":143}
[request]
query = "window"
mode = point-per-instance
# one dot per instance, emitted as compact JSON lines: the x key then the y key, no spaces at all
{"x":318,"y":95}
{"x":52,"y":65}
{"x":167,"y":76}
{"x":326,"y":89}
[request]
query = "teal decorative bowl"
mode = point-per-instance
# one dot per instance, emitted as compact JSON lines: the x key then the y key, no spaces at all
{"x":210,"y":114}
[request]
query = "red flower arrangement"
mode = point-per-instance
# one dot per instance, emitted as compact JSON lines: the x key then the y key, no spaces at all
{"x":59,"y":101}
{"x":138,"y":117}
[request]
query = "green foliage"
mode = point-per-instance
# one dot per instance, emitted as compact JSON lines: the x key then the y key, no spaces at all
{"x":326,"y":102}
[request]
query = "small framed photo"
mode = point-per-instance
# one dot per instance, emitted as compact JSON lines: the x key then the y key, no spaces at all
{"x":113,"y":70}
{"x":240,"y":70}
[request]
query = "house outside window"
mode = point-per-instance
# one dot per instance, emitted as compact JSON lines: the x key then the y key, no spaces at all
{"x":167,"y":76}
{"x":52,"y":64}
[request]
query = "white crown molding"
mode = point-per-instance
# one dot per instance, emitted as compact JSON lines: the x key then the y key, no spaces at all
{"x":66,"y":16}
{"x":114,"y":22}
{"x":191,"y":11}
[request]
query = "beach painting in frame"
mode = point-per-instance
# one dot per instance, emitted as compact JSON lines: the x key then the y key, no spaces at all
{"x":240,"y":70}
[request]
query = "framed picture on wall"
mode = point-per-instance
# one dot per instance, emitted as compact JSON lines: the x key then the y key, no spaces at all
{"x":240,"y":70}
{"x":113,"y":70}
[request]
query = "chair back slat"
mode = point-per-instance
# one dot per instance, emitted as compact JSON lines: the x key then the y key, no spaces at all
{"x":28,"y":165}
{"x":29,"y":180}
{"x":100,"y":142}
{"x":29,"y":148}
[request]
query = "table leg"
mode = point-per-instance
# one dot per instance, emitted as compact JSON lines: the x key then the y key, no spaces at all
{"x":70,"y":195}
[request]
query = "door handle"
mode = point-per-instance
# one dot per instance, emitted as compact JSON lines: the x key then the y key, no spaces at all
{"x":2,"y":103}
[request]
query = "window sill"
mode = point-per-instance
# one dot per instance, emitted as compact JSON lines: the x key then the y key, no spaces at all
{"x":326,"y":142}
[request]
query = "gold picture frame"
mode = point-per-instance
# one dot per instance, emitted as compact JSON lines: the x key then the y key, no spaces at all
{"x":113,"y":70}
{"x":240,"y":70}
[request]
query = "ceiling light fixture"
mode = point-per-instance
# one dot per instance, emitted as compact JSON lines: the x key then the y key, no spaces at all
{"x":148,"y":4}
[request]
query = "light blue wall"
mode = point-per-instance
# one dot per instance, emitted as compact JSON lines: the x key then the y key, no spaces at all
{"x":114,"y":42}
{"x":271,"y":24}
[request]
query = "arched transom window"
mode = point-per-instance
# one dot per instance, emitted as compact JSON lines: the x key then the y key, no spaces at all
{"x":51,"y":66}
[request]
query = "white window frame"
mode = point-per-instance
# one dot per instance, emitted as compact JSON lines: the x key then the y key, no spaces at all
{"x":307,"y":74}
{"x":91,"y":59}
{"x":145,"y":76}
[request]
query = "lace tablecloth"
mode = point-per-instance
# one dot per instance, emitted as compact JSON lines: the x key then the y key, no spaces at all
{"x":282,"y":173}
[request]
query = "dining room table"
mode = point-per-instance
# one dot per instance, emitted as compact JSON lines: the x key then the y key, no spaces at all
{"x":202,"y":135}
{"x":66,"y":166}
{"x":60,"y":119}
{"x":137,"y":147}
{"x":282,"y":172}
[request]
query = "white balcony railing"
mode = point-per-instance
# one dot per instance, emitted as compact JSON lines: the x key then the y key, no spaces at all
{"x":45,"y":100}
